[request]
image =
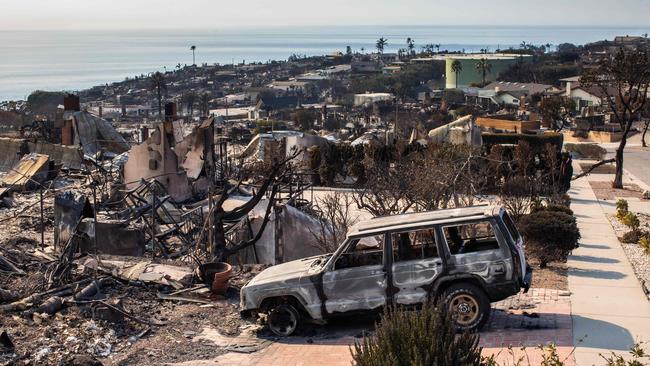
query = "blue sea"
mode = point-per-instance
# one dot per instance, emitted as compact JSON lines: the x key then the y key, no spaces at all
{"x":75,"y":60}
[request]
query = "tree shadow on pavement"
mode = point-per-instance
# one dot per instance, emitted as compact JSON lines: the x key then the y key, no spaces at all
{"x":592,"y":259}
{"x":594,"y":246}
{"x":595,"y":333}
{"x":596,"y":273}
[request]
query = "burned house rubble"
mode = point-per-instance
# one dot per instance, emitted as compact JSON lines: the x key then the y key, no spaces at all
{"x":107,"y":253}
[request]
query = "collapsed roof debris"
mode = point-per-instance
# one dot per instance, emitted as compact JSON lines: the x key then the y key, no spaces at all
{"x":107,"y":243}
{"x":94,"y":134}
{"x":31,"y":170}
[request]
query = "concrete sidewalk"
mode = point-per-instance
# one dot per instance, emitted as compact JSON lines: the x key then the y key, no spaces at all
{"x":608,"y":307}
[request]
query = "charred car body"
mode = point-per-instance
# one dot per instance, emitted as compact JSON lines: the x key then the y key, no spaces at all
{"x":465,"y":257}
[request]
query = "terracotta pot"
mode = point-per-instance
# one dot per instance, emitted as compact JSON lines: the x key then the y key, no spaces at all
{"x":216,"y":275}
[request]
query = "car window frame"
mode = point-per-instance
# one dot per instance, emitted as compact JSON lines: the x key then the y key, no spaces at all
{"x":436,"y":242}
{"x":501,"y":239}
{"x":348,"y":242}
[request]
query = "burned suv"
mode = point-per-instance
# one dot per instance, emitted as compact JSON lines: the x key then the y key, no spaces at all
{"x":464,"y":257}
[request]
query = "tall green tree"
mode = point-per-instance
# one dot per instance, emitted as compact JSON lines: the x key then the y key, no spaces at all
{"x":159,"y":85}
{"x":623,"y":80}
{"x":193,"y":49}
{"x":381,"y":44}
{"x":410,"y":44}
{"x":204,"y":103}
{"x":189,"y":99}
{"x":558,"y":110}
{"x":483,"y":66}
{"x":456,"y":67}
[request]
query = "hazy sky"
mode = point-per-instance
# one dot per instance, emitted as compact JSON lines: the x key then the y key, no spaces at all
{"x":109,"y":14}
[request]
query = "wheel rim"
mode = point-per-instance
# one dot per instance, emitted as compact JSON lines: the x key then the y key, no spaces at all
{"x":283,"y":321}
{"x":464,"y":308}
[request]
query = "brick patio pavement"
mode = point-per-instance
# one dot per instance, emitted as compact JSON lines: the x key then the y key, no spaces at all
{"x":540,"y":317}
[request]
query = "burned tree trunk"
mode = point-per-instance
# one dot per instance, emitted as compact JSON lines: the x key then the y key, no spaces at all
{"x":220,"y":250}
{"x":224,"y":251}
{"x":618,"y":177}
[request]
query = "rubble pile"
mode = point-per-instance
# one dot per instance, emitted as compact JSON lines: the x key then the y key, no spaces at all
{"x":95,"y":271}
{"x":102,"y":318}
{"x":110,"y":253}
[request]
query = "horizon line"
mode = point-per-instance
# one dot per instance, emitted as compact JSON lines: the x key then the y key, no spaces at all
{"x":267,"y":26}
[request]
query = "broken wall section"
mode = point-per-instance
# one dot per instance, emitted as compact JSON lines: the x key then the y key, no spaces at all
{"x":12,"y":150}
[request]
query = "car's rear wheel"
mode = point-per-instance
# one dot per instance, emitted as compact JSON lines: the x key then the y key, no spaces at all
{"x":283,"y":320}
{"x":468,"y":305}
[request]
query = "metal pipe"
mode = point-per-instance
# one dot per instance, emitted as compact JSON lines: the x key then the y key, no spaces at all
{"x":42,"y":220}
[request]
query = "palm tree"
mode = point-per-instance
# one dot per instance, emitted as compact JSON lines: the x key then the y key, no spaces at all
{"x":204,"y":103}
{"x":410,"y":44}
{"x":483,"y":66}
{"x":193,"y":48}
{"x":158,"y":85}
{"x":190,"y":100}
{"x":456,"y":67}
{"x":437,"y":47}
{"x":381,"y":44}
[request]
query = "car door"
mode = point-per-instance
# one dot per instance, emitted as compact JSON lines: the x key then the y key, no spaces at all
{"x":356,"y":280}
{"x":415,"y":264}
{"x":477,"y":247}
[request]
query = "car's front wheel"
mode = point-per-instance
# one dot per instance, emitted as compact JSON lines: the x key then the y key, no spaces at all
{"x":468,"y":305}
{"x":283,"y":320}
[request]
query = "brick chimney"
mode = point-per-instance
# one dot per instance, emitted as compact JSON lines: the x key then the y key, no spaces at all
{"x":71,"y":103}
{"x":170,"y":110}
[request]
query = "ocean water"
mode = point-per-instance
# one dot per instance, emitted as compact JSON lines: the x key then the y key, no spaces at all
{"x":75,"y":60}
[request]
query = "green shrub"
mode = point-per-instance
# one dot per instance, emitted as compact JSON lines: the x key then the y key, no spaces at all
{"x":422,"y":338}
{"x":559,"y":208}
{"x":621,"y":208}
{"x":637,"y":357}
{"x":631,"y":220}
{"x":644,"y":242}
{"x":550,"y":235}
{"x":622,"y":205}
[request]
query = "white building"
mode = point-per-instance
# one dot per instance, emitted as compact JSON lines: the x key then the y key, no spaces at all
{"x":370,"y":98}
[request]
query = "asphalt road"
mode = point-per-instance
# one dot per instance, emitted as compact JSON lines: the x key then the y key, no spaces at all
{"x":637,"y":162}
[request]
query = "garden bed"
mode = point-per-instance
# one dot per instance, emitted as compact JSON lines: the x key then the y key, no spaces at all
{"x":554,"y":276}
{"x":639,"y":260}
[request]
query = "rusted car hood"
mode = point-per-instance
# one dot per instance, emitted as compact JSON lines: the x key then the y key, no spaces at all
{"x":289,"y":271}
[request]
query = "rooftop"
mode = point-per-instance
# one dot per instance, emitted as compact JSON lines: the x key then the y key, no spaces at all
{"x":505,"y":86}
{"x":415,"y":219}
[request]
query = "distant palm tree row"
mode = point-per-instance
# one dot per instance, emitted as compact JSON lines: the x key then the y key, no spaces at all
{"x":483,"y":66}
{"x":382,"y":42}
{"x":189,"y":99}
